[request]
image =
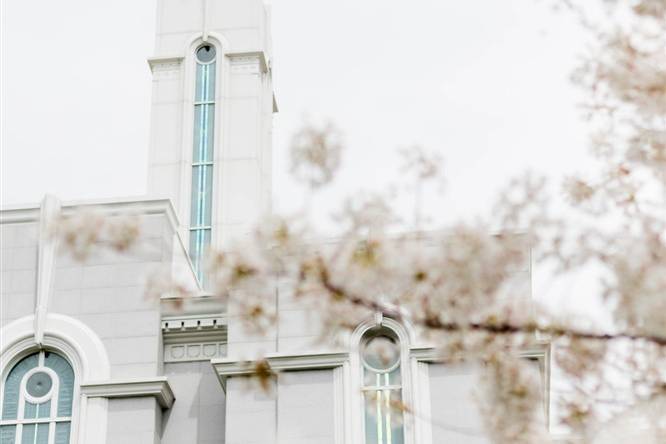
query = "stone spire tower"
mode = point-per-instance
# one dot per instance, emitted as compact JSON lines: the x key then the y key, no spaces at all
{"x":212,"y":105}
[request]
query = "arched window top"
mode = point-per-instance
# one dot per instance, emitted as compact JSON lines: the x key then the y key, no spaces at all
{"x":37,"y":398}
{"x":380,"y":350}
{"x":206,"y":53}
{"x":380,"y":355}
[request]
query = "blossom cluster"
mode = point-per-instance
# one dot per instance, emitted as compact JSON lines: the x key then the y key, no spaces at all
{"x":457,"y":285}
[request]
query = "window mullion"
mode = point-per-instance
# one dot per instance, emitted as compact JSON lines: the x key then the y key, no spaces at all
{"x":51,"y":437}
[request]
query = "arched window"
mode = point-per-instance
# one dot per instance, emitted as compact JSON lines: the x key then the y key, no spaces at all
{"x":202,"y":156}
{"x":37,"y":400}
{"x":381,"y":359}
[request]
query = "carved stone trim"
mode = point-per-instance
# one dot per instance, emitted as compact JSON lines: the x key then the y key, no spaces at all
{"x":131,"y":388}
{"x":194,"y":338}
{"x":211,"y":327}
{"x":165,"y":66}
{"x":252,"y":62}
{"x":424,"y":354}
{"x":196,"y":351}
{"x":225,"y":368}
{"x":307,"y":362}
{"x":538,"y":351}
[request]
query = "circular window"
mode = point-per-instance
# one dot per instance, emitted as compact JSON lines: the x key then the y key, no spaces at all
{"x":381,"y":353}
{"x":206,"y":53}
{"x":39,"y":385}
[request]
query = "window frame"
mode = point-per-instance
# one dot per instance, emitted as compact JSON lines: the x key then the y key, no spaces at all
{"x":81,"y":347}
{"x":215,"y":104}
{"x":383,"y":390}
{"x":52,"y":395}
{"x":404,"y":338}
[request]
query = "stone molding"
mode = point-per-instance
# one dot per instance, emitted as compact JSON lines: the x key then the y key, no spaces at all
{"x":84,"y":349}
{"x":196,"y":351}
{"x":538,"y":351}
{"x":158,"y":388}
{"x":148,"y":205}
{"x":194,"y":337}
{"x":252,"y":62}
{"x":167,"y":66}
{"x":227,"y":367}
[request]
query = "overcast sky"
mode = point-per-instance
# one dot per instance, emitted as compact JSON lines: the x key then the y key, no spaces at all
{"x":484,"y":82}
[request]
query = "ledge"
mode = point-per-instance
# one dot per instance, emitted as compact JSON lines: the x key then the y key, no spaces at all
{"x":164,"y":60}
{"x":431,"y":355}
{"x":424,"y":354}
{"x":121,"y":205}
{"x":226,"y":367}
{"x":307,"y":362}
{"x":263,"y":61}
{"x":158,"y":388}
{"x":202,"y":327}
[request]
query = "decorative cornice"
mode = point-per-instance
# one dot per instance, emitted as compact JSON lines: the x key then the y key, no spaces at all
{"x":307,"y":362}
{"x":194,"y":337}
{"x":201,"y":327}
{"x":158,"y":388}
{"x":424,"y":354}
{"x":249,"y":58}
{"x":227,"y":367}
{"x":431,"y":355}
{"x":164,"y":63}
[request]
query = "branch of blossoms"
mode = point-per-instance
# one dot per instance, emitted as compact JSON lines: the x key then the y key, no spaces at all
{"x":459,"y":285}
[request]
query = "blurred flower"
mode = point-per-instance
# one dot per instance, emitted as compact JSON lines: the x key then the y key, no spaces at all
{"x":316,"y":154}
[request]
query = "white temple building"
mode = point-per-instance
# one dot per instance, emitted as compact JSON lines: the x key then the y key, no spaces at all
{"x":87,"y":358}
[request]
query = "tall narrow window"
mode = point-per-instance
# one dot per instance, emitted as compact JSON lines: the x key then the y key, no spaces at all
{"x":382,"y":387}
{"x":202,"y":157}
{"x":37,"y":401}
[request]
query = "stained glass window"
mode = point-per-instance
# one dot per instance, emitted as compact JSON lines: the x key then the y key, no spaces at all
{"x":382,"y":387}
{"x":37,"y":401}
{"x":202,"y":157}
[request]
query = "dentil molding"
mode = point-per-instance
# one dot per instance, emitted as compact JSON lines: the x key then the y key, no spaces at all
{"x":194,"y":337}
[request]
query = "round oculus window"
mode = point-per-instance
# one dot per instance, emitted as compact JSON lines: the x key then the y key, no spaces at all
{"x":206,"y":53}
{"x":39,"y":384}
{"x":381,"y":353}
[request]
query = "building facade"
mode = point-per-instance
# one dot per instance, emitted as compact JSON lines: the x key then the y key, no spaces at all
{"x":86,"y":357}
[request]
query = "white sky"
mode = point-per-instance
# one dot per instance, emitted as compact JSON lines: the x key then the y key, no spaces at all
{"x":484,"y":82}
